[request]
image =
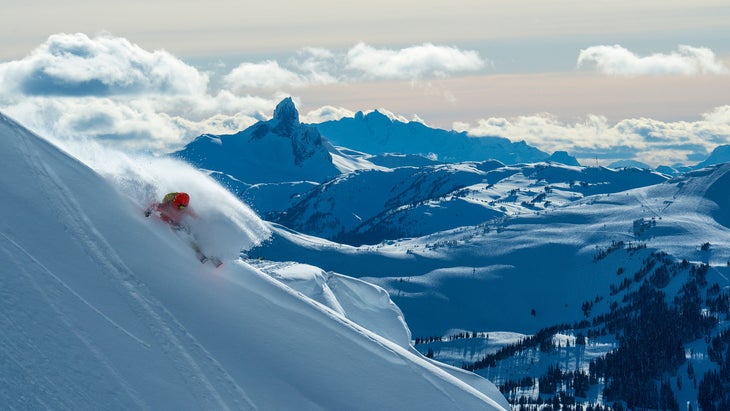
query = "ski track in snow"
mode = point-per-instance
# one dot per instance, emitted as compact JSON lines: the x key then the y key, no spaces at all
{"x":148,"y":311}
{"x":51,"y":303}
{"x":72,"y":291}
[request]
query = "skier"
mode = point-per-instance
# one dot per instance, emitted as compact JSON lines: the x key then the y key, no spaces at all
{"x":173,"y":208}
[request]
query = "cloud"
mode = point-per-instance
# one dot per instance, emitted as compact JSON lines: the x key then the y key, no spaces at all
{"x":649,"y":141}
{"x":310,"y":66}
{"x":151,"y":124}
{"x":326,"y":113}
{"x":415,"y":62}
{"x":618,"y":61}
{"x":76,"y":65}
{"x":318,"y":66}
{"x":268,"y":74}
{"x":73,"y":86}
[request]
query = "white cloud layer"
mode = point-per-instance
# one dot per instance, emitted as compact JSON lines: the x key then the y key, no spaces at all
{"x":317,"y":66}
{"x":74,"y":87}
{"x":415,"y":62}
{"x":326,"y":113}
{"x":105,"y":87}
{"x":618,"y":61}
{"x":268,"y":74}
{"x":76,"y":65}
{"x":648,"y":141}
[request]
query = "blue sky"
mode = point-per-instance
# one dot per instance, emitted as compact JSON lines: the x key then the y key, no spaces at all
{"x":651,"y":79}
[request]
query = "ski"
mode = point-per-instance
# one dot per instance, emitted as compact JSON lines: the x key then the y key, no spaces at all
{"x":204,"y":258}
{"x":216,"y":261}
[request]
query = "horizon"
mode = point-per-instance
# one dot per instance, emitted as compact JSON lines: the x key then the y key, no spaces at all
{"x":645,"y":82}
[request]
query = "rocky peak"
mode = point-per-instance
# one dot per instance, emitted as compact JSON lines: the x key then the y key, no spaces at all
{"x":286,"y":117}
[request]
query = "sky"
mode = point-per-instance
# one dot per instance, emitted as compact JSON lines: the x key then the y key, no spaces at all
{"x":601,"y":79}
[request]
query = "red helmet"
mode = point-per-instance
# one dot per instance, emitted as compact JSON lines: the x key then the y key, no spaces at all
{"x":181,"y":200}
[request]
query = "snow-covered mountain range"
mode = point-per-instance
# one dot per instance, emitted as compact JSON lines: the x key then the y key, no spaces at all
{"x":376,"y":132}
{"x":543,"y":265}
{"x":563,"y":273}
{"x":105,"y":309}
{"x":371,"y":206}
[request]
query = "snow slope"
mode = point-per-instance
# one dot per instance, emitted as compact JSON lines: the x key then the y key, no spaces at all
{"x":104,"y":309}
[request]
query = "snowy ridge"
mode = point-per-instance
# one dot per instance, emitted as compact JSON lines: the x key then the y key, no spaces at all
{"x":103,"y":308}
{"x":370,"y":206}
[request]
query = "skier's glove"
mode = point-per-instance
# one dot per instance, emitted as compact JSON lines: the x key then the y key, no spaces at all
{"x":147,"y":212}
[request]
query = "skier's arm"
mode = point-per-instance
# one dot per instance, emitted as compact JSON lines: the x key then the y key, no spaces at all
{"x":150,"y":209}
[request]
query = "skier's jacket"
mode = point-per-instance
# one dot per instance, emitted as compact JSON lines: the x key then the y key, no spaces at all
{"x":172,"y":209}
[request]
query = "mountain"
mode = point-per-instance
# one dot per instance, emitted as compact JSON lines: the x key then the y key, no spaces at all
{"x":553,"y":244}
{"x":667,"y":217}
{"x":104,"y":309}
{"x":394,"y":160}
{"x":278,"y":150}
{"x":563,"y":157}
{"x":371,"y":206}
{"x":721,"y":154}
{"x":376,"y":133}
{"x":629,"y":164}
{"x":634,"y":270}
{"x":274,"y":164}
